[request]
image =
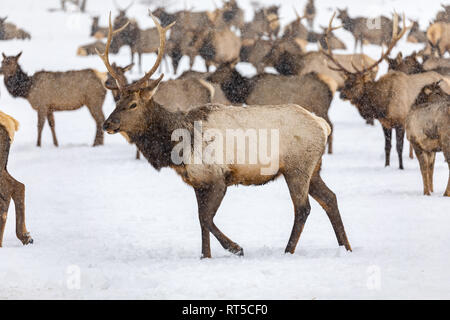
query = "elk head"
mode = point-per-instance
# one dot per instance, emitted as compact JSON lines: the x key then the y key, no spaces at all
{"x":431,"y":93}
{"x":356,"y":81}
{"x":132,"y":108}
{"x":408,"y":65}
{"x":10,"y":64}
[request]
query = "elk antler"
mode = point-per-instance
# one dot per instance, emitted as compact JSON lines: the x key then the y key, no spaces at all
{"x":143,"y":82}
{"x":329,"y":53}
{"x":105,"y":56}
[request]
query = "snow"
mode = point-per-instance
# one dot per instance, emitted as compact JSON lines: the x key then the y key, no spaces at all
{"x":127,"y":231}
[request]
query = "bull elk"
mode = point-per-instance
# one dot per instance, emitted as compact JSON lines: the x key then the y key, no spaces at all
{"x":303,"y":138}
{"x":387,"y":99}
{"x":10,"y":188}
{"x":48,"y":92}
{"x":428,"y":130}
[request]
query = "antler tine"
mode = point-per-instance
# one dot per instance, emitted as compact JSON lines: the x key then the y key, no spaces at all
{"x":162,"y":43}
{"x":105,"y":56}
{"x":329,"y":53}
{"x":396,"y":36}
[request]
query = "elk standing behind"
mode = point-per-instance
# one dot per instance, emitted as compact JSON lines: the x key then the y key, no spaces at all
{"x":428,"y":130}
{"x":303,"y":138}
{"x":364,"y":29}
{"x":48,"y":92}
{"x":310,"y":13}
{"x":10,"y":187}
{"x":90,"y":49}
{"x":388,"y":99}
{"x":97,"y":31}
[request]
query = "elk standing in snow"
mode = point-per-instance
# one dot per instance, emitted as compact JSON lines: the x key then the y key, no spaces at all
{"x":428,"y":130}
{"x":438,"y":35}
{"x":303,"y":139}
{"x":48,"y":92}
{"x":387,"y":99}
{"x":10,"y":188}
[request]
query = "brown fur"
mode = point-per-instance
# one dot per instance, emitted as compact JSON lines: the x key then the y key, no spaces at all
{"x":48,"y":92}
{"x":89,"y":49}
{"x":303,"y":138}
{"x":9,"y":31}
{"x":438,"y":35}
{"x":362,"y":33}
{"x":9,"y":187}
{"x":428,"y":130}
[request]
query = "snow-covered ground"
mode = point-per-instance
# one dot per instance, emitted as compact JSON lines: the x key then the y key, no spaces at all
{"x":127,"y":231}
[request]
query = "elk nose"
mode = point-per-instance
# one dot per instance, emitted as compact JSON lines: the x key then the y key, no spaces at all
{"x":111,"y":125}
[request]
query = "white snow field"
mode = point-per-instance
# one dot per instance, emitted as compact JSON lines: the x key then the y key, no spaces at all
{"x":107,"y":226}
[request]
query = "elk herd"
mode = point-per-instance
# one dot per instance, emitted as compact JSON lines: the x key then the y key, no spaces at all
{"x":412,"y":98}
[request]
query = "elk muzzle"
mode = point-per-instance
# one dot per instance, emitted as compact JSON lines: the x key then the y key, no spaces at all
{"x":111,"y":125}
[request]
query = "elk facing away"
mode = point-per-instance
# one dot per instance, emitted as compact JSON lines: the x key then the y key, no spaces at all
{"x":48,"y":92}
{"x":428,"y":130}
{"x":302,"y":135}
{"x":10,"y":187}
{"x":388,"y":99}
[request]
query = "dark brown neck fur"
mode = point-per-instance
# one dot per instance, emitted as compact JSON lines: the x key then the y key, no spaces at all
{"x":18,"y":84}
{"x":155,"y":142}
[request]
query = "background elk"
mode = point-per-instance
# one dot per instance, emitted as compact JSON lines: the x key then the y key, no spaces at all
{"x":438,"y":35}
{"x":10,"y":187}
{"x":265,"y":22}
{"x":97,"y":31}
{"x":310,"y":13}
{"x":48,"y":92}
{"x":312,"y":91}
{"x":443,"y":15}
{"x":416,"y":35}
{"x":428,"y":130}
{"x":150,"y":126}
{"x":362,"y":32}
{"x":387,"y":99}
{"x":9,"y":31}
{"x":90,"y":49}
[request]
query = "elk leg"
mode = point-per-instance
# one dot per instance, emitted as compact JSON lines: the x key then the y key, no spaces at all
{"x":209,"y":199}
{"x":422,"y":157}
{"x":51,"y":123}
{"x":298,"y":188}
{"x":99,"y":118}
{"x":400,"y":135}
{"x":387,"y":145}
{"x":431,"y":160}
{"x":18,"y":195}
{"x":330,"y":137}
{"x":5,"y":199}
{"x":411,"y":151}
{"x":328,"y":201}
{"x":138,"y":154}
{"x":447,"y":191}
{"x":140,"y":62}
{"x":41,"y":122}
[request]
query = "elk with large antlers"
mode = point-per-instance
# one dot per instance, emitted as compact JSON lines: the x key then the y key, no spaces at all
{"x":388,"y":99}
{"x":302,"y":137}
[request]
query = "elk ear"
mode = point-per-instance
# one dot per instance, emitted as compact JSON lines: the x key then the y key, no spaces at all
{"x":4,"y":56}
{"x":148,"y":92}
{"x":18,"y":56}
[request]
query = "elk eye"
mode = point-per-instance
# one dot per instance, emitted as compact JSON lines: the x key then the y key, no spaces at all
{"x":134,"y":105}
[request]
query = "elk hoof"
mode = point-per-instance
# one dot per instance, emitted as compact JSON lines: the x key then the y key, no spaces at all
{"x":237,"y":250}
{"x":26,"y":239}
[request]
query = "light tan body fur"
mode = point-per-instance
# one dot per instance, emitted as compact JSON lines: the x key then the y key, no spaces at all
{"x":428,"y":130}
{"x":438,"y":35}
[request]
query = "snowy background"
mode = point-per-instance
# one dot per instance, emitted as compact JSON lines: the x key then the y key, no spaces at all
{"x":128,"y":231}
